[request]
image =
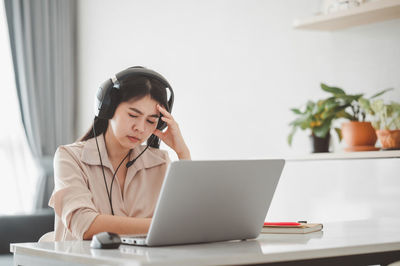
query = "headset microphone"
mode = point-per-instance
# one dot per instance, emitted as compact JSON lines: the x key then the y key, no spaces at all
{"x":129,"y":164}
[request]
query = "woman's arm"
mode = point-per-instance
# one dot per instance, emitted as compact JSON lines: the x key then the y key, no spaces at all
{"x":117,"y":224}
{"x":73,"y":204}
{"x":185,"y":155}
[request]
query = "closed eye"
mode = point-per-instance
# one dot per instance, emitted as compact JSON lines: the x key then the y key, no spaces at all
{"x":148,"y":121}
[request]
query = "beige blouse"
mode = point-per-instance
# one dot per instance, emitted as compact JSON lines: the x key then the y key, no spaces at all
{"x":80,"y":193}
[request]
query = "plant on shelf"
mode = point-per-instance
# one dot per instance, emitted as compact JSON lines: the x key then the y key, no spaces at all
{"x":317,"y":117}
{"x":353,"y":102}
{"x":357,"y":133}
{"x":386,"y":121}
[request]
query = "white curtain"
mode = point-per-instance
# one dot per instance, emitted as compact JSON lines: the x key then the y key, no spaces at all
{"x":19,"y":173}
{"x":42,"y":41}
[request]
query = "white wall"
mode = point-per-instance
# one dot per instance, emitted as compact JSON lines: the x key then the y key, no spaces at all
{"x":236,"y":67}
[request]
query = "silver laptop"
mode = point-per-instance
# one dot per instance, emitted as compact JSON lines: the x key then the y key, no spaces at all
{"x":207,"y":201}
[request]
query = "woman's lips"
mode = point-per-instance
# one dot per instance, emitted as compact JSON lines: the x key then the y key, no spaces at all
{"x":133,"y":139}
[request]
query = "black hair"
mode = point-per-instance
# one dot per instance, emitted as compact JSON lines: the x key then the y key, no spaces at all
{"x":138,"y":88}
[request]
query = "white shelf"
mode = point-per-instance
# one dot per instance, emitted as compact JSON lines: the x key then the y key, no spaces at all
{"x":370,"y":12}
{"x":347,"y":155}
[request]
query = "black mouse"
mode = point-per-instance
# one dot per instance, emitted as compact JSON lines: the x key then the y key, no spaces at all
{"x":105,"y":240}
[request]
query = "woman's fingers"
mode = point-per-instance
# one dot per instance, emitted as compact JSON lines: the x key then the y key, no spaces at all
{"x":169,"y":121}
{"x":172,"y":136}
{"x":163,"y":111}
{"x":159,"y":134}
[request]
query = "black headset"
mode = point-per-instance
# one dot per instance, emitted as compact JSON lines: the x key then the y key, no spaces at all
{"x":108,"y":98}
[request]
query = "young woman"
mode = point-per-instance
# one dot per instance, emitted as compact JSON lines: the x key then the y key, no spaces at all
{"x":108,"y":181}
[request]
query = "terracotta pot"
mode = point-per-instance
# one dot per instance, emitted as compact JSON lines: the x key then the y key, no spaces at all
{"x":359,"y":136}
{"x":390,"y":139}
{"x":320,"y":144}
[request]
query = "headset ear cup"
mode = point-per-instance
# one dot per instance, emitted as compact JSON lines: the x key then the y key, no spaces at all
{"x":115,"y":99}
{"x":106,"y":100}
{"x":102,"y":100}
{"x":154,"y":141}
{"x":161,"y":125}
{"x":171,"y":100}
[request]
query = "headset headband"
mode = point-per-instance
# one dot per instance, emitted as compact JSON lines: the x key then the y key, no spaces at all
{"x":106,"y":97}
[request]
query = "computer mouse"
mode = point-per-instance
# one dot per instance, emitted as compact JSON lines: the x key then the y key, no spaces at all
{"x":105,"y":240}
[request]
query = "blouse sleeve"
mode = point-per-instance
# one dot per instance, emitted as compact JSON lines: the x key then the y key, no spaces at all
{"x":71,"y":198}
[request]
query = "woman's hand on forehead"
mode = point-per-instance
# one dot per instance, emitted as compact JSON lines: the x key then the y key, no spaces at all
{"x":172,"y":136}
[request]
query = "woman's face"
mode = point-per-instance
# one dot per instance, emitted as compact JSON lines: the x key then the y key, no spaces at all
{"x":134,"y":121}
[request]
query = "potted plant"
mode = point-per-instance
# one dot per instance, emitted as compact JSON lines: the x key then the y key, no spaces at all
{"x":317,"y":117}
{"x":386,"y":121}
{"x":358,"y":133}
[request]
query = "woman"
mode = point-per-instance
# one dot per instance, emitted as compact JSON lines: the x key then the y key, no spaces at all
{"x":131,"y":109}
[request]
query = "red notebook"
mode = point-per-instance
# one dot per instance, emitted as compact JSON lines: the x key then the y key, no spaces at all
{"x":290,"y":228}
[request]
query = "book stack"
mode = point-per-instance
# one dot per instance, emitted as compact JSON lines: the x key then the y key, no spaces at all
{"x":290,"y":228}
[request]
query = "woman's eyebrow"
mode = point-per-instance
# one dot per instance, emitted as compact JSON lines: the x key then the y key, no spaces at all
{"x":141,"y":113}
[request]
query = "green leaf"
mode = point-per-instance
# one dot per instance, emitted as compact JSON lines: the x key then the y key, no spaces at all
{"x":350,"y":98}
{"x":309,"y":106}
{"x":380,"y":93}
{"x":396,"y":106}
{"x":333,"y":90}
{"x":296,"y":111}
{"x":365,"y":105}
{"x":331,"y":100}
{"x":306,"y":124}
{"x":377,"y":106}
{"x":319,"y":107}
{"x":376,"y":124}
{"x":322,"y":130}
{"x":344,"y":114}
{"x":331,"y":106}
{"x":290,"y":137}
{"x":298,"y":121}
{"x":339,"y":133}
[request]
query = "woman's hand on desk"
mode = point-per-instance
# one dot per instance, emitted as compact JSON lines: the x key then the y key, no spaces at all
{"x":172,"y":136}
{"x":117,"y":224}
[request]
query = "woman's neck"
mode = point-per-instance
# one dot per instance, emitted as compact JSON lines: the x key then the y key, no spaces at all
{"x":114,"y":149}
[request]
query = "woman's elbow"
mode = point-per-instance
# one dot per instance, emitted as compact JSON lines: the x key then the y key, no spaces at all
{"x":87,"y":235}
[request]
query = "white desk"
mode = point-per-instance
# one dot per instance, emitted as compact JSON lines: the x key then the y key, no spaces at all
{"x":351,"y":243}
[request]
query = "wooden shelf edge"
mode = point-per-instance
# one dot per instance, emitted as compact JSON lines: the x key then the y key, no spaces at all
{"x":346,"y":156}
{"x":369,"y":12}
